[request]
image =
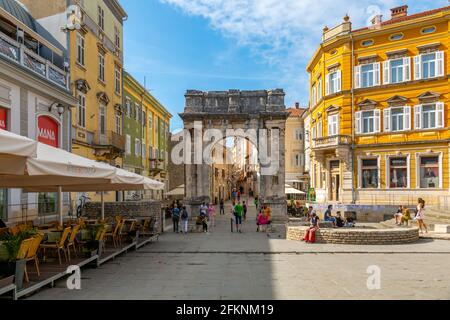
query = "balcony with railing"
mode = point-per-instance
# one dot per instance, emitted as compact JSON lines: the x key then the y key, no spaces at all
{"x":331,"y":142}
{"x":109,"y":139}
{"x":20,"y":54}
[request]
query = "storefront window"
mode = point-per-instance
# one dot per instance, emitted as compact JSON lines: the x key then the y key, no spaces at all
{"x":3,"y":203}
{"x":398,"y":172}
{"x":369,"y":173}
{"x":47,"y":203}
{"x":429,"y":172}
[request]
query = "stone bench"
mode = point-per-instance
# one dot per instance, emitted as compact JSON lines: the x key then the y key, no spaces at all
{"x":442,"y":228}
{"x":356,"y":236}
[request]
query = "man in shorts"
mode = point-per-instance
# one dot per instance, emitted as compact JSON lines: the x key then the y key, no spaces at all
{"x":238,"y":211}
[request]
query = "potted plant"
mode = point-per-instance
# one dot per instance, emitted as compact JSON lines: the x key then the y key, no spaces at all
{"x":10,"y":266}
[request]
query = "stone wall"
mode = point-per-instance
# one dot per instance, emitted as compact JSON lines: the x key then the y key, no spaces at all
{"x":127,"y":209}
{"x":357,"y":236}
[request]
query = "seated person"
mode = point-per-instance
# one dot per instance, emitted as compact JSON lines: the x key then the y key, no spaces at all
{"x":339,"y":221}
{"x":328,"y":217}
{"x":349,"y":223}
{"x":310,"y":234}
{"x":398,"y":215}
{"x":406,"y":216}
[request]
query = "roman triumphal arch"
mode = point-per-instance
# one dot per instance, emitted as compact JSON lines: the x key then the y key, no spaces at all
{"x":258,"y":116}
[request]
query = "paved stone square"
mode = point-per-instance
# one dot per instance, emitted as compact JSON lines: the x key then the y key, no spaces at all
{"x":251,"y":265}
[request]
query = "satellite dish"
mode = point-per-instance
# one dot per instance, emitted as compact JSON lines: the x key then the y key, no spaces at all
{"x":74,"y":17}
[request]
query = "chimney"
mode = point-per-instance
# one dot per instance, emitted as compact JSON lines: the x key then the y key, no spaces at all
{"x":297,"y":105}
{"x":399,"y":12}
{"x":377,"y":20}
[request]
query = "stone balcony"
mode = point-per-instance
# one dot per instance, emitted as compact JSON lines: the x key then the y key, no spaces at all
{"x":109,"y":139}
{"x":336,"y":146}
{"x":331,"y":142}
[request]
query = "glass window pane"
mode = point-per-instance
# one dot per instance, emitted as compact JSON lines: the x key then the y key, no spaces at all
{"x":429,"y":172}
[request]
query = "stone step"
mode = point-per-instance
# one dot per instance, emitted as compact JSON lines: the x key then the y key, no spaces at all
{"x":442,"y":228}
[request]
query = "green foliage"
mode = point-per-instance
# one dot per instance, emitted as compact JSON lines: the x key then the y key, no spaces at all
{"x":12,"y":242}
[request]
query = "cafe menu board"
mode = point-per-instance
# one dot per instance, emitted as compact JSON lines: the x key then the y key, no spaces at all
{"x":3,"y":118}
{"x":48,"y":131}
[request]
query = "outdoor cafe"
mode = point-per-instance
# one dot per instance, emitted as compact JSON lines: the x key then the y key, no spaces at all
{"x":36,"y":255}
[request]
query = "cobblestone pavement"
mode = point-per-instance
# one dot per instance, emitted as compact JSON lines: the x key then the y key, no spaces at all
{"x":251,"y":265}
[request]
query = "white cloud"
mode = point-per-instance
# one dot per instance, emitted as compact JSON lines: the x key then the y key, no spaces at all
{"x":285,"y":33}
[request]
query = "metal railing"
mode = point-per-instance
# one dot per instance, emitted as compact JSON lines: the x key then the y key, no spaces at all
{"x":109,"y":138}
{"x":332,"y":141}
{"x":18,"y":53}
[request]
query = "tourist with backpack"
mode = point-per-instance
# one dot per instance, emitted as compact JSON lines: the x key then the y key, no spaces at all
{"x":176,"y":218}
{"x":184,"y":220}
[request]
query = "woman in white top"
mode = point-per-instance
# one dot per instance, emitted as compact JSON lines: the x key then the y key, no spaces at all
{"x":420,"y":215}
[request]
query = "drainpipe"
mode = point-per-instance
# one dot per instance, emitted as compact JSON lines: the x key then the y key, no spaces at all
{"x":353,"y":118}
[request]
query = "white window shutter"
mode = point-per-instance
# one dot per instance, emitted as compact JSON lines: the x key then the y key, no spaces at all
{"x":358,"y":122}
{"x":418,"y":67}
{"x":339,"y":81}
{"x":387,"y":72}
{"x":407,"y":69}
{"x":440,"y":115}
{"x":377,"y":126}
{"x":128,"y":144}
{"x":330,"y":126}
{"x":418,"y":117}
{"x":440,"y":63}
{"x":387,"y":119}
{"x":407,"y":118}
{"x":377,"y":73}
{"x":357,"y":77}
{"x":327,"y":84}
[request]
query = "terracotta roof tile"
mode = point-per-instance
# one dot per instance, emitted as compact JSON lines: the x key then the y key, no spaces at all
{"x":406,"y":18}
{"x":296,"y":112}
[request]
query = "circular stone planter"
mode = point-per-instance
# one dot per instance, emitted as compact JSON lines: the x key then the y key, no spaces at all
{"x":356,"y":236}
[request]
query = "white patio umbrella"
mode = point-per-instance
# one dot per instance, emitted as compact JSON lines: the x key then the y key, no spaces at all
{"x":14,"y":149}
{"x":123,"y":180}
{"x":291,"y":190}
{"x":178,"y":191}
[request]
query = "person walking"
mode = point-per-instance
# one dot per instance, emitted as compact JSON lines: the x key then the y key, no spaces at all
{"x":244,"y":207}
{"x":238,"y":210}
{"x":222,"y":207}
{"x":420,"y":215}
{"x":184,"y":220}
{"x":176,"y":218}
{"x":212,"y":215}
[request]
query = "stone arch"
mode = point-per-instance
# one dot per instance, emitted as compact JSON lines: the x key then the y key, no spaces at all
{"x":246,"y":111}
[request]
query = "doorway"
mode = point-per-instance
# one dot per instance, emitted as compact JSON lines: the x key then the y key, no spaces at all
{"x":335,"y":181}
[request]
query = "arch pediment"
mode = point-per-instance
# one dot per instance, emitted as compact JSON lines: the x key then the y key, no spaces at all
{"x":103,"y":97}
{"x":82,"y":85}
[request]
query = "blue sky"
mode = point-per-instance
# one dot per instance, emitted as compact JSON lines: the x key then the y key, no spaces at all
{"x":235,"y":44}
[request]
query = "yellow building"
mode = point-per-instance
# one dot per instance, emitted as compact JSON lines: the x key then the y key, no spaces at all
{"x":295,"y":149}
{"x":379,"y":110}
{"x":146,"y":130}
{"x":93,"y":33}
